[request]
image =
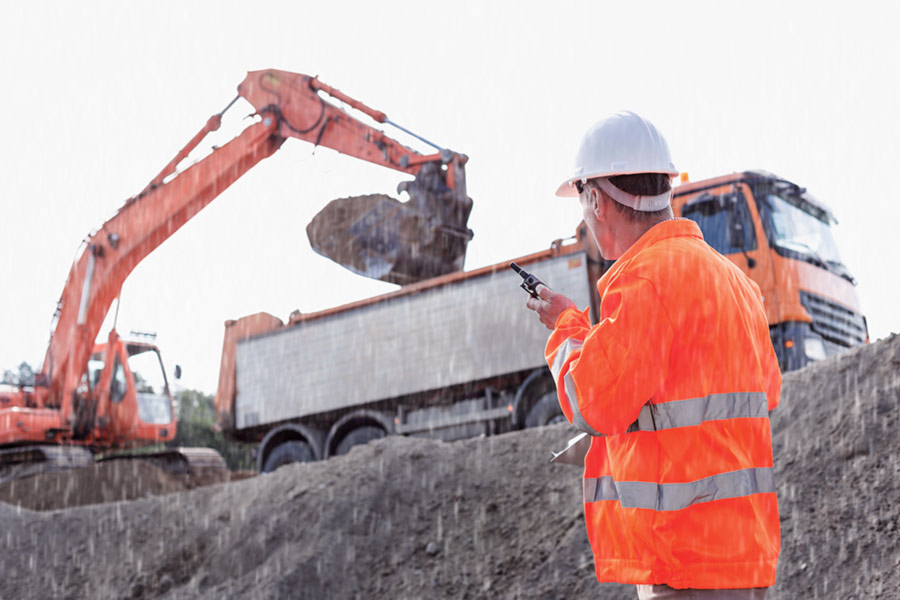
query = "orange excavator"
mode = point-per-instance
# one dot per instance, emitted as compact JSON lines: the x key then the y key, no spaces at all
{"x":89,"y":398}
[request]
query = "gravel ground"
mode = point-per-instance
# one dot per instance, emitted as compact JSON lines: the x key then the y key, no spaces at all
{"x":480,"y":518}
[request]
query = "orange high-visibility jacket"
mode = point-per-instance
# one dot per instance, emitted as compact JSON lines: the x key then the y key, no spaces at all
{"x":676,"y":381}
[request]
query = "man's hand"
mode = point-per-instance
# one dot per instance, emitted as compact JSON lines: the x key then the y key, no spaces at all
{"x":549,"y":306}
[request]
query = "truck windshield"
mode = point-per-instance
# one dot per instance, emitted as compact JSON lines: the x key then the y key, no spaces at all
{"x":154,"y":406}
{"x":800,"y":231}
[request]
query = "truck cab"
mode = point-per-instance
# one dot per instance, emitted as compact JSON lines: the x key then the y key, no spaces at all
{"x":780,"y":236}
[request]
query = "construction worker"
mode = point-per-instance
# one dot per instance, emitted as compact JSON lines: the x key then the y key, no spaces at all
{"x":674,"y":384}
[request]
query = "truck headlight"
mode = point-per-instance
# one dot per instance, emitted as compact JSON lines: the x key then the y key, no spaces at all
{"x":814,"y":348}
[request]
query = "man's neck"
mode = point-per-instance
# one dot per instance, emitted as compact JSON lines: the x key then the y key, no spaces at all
{"x":629,"y":232}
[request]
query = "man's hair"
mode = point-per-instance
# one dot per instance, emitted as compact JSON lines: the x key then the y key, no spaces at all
{"x":642,"y":184}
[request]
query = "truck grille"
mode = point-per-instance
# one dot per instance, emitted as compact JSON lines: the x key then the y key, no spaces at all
{"x":834,"y":322}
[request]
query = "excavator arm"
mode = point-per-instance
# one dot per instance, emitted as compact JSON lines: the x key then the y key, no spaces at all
{"x":287,"y":105}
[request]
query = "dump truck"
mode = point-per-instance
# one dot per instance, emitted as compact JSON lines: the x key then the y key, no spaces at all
{"x":459,"y":355}
{"x":90,"y":398}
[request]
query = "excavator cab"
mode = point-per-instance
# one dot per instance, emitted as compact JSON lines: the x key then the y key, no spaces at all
{"x":154,"y":402}
{"x":129,"y":396}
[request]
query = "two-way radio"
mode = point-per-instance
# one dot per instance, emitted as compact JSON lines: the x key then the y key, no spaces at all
{"x":530,"y":282}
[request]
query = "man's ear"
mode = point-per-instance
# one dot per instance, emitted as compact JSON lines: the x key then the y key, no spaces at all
{"x":597,"y":203}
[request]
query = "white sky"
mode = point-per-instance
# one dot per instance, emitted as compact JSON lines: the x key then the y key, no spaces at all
{"x":100,"y":95}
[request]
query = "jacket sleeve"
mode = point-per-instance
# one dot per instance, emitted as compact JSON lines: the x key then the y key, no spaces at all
{"x":604,"y":374}
{"x":769,"y":360}
{"x":772,"y":374}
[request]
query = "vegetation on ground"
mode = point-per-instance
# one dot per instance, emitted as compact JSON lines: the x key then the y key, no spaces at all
{"x":196,"y":419}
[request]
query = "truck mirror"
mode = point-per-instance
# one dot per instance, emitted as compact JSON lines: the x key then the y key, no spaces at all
{"x":177,"y":371}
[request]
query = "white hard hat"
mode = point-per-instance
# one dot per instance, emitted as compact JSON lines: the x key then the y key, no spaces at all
{"x":623,"y":143}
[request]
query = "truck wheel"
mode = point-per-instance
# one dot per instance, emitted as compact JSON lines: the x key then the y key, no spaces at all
{"x":360,"y":435}
{"x":545,"y":412}
{"x":289,"y":452}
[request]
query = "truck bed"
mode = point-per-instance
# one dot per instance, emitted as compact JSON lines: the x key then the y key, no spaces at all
{"x":467,"y":330}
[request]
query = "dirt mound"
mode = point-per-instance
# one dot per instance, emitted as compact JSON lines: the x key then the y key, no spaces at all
{"x":479,"y":518}
{"x":399,"y":518}
{"x":837,"y":460}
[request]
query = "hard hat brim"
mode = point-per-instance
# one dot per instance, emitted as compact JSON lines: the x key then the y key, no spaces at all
{"x":567,"y":189}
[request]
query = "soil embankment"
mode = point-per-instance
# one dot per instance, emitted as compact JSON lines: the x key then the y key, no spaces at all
{"x":479,"y":518}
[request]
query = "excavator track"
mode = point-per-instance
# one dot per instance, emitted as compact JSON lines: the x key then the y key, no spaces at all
{"x":25,"y":461}
{"x":180,"y":461}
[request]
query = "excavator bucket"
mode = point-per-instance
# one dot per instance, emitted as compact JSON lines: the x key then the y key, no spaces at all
{"x":399,"y":242}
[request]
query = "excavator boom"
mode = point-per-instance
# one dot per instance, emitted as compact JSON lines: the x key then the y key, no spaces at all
{"x":139,"y":227}
{"x":287,"y":105}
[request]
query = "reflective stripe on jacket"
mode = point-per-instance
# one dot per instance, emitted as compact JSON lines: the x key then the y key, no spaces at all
{"x":676,"y":381}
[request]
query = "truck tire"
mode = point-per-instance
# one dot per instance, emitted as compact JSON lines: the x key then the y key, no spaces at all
{"x":546,"y":411}
{"x":360,"y":435}
{"x":288,"y":452}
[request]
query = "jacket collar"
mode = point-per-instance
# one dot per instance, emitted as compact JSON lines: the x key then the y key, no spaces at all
{"x":661,"y":231}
